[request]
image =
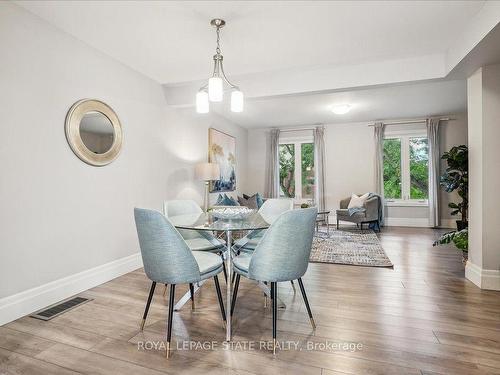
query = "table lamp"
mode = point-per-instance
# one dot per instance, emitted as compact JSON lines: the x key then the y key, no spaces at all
{"x":207,"y":172}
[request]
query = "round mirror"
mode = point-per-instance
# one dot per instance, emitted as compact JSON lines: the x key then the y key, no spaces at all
{"x":94,"y":132}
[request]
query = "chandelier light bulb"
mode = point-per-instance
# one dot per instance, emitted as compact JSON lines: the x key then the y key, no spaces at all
{"x":215,"y":89}
{"x":236,"y":101}
{"x":202,"y":105}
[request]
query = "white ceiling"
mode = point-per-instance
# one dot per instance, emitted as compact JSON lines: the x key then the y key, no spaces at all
{"x":172,"y":41}
{"x":294,"y":59}
{"x":380,"y":103}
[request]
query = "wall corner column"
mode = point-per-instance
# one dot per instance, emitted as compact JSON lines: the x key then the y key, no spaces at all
{"x":483,"y":103}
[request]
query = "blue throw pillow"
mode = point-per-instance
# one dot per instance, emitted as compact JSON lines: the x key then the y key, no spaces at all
{"x":225,"y":200}
{"x":230,"y":201}
{"x":259,"y":199}
{"x":220,"y":198}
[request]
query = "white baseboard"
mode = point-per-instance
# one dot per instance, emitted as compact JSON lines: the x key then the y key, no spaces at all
{"x":31,"y":300}
{"x":406,"y":222}
{"x":448,"y":223}
{"x":485,"y":279}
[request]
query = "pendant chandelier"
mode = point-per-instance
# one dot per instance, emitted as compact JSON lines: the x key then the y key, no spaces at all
{"x":213,"y":91}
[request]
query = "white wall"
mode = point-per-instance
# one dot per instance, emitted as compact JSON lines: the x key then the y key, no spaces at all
{"x":483,"y":91}
{"x":349,"y":165}
{"x":60,"y":216}
{"x":188,"y":144}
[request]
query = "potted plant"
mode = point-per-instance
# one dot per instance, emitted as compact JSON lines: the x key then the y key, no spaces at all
{"x":456,"y":177}
{"x":459,"y":238}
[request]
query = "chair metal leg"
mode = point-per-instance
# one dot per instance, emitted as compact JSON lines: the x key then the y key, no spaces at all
{"x":150,"y":298}
{"x":224,"y":270}
{"x":165,"y":290}
{"x":170,"y":316}
{"x":293,"y":286}
{"x":265,"y":297}
{"x":235,"y":292}
{"x":191,"y":290}
{"x":303,"y":291}
{"x":219,"y":297}
{"x":274,"y":293}
{"x":337,"y":224}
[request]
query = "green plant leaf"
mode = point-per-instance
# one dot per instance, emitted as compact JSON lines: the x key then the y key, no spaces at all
{"x":456,"y":177}
{"x":459,"y":238}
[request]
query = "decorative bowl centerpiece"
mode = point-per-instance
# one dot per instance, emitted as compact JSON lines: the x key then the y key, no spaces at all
{"x":231,"y":212}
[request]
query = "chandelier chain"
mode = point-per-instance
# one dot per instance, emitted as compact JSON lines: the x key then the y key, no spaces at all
{"x":217,"y":50}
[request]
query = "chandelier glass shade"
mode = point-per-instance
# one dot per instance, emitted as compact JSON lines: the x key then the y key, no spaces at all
{"x":213,"y":91}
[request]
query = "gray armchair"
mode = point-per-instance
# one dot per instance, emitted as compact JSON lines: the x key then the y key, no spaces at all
{"x":370,"y":215}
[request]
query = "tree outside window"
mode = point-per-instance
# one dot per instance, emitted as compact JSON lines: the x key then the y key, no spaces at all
{"x":300,"y":154}
{"x":419,"y":168}
{"x":287,"y":169}
{"x":392,"y":168}
{"x":406,"y":168}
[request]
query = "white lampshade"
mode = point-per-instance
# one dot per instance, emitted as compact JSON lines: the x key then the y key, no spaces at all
{"x":236,"y":101}
{"x":215,"y":89}
{"x":207,"y":171}
{"x":202,"y":102}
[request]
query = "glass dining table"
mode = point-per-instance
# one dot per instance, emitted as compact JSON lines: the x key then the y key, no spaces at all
{"x":207,"y":222}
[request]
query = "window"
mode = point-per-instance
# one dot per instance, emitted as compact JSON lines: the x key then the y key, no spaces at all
{"x":287,"y":170}
{"x":296,"y":162}
{"x":406,"y":168}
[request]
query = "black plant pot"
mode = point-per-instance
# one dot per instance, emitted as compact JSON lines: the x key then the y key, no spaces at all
{"x":462,"y":225}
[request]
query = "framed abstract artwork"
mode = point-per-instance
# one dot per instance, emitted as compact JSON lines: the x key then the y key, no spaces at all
{"x":222,"y":151}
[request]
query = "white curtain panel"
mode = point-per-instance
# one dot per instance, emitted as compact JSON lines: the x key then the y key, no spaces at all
{"x":319,"y":166}
{"x":272,"y":176}
{"x":378,"y":133}
{"x":434,"y":162}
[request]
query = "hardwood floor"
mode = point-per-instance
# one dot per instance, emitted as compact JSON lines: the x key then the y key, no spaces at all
{"x":422,"y":317}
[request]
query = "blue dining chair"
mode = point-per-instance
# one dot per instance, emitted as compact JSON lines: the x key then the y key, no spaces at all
{"x":168,"y":260}
{"x":270,"y":210}
{"x":281,"y":255}
{"x":196,"y":240}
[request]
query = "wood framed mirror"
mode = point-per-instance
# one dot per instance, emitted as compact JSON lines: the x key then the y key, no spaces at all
{"x":94,"y":132}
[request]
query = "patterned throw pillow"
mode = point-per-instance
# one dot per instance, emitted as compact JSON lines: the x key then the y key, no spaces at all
{"x":250,"y":202}
{"x":258,"y":198}
{"x":225,"y":200}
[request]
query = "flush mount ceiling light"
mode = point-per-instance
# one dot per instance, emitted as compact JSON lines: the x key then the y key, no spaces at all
{"x":341,"y":109}
{"x":213,"y":91}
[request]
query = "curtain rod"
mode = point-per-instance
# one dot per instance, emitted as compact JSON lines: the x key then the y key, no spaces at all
{"x":299,"y":129}
{"x":416,"y":121}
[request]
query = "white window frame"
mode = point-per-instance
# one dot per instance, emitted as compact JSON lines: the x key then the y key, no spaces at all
{"x":297,"y":142}
{"x":404,"y":136}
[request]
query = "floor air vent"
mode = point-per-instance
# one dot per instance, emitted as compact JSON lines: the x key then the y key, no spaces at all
{"x":59,"y":308}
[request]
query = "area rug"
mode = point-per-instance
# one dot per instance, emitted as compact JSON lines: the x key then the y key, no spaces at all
{"x":354,"y":247}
